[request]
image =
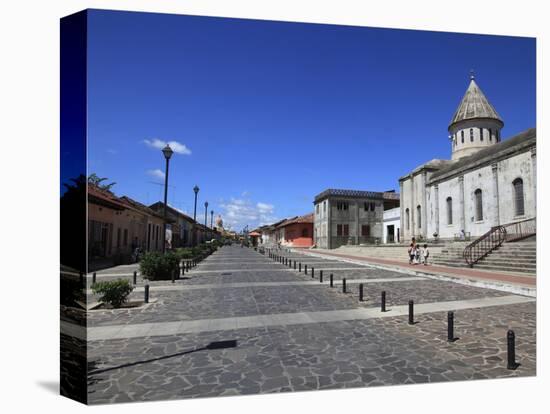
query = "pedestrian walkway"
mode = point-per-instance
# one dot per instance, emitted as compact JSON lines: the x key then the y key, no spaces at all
{"x":300,"y":318}
{"x":288,"y":331}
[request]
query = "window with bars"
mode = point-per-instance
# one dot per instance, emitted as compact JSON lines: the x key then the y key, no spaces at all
{"x":478,"y":195}
{"x":519,"y":201}
{"x":342,"y":205}
{"x":449,"y":210}
{"x":342,"y":230}
{"x":365,"y":230}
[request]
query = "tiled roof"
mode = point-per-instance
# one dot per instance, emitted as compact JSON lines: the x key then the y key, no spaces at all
{"x":308,"y":218}
{"x":506,"y":147}
{"x":104,"y":197}
{"x":474,"y":105}
{"x":386,"y":195}
{"x":139,"y":207}
{"x":159,"y":206}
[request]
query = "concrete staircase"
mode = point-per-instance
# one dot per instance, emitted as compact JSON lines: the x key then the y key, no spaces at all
{"x":518,"y":257}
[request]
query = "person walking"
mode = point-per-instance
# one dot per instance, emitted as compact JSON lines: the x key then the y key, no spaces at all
{"x":411,"y":253}
{"x":425,"y":254}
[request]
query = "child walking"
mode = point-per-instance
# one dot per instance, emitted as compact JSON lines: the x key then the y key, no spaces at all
{"x":425,"y":254}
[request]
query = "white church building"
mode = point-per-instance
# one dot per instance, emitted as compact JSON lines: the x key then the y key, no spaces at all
{"x":488,"y":181}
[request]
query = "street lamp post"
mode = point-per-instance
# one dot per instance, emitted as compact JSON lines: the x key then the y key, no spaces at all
{"x":211,"y":219}
{"x":196,"y":190}
{"x":167,"y":151}
{"x":206,"y":214}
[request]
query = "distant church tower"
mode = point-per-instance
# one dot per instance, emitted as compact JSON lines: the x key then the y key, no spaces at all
{"x":475,"y":124}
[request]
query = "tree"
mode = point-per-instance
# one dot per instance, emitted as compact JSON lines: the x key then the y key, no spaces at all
{"x":97,"y":181}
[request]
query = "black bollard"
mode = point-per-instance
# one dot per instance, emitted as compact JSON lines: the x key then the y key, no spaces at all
{"x":300,"y":267}
{"x":383,"y":302}
{"x":451,"y":327}
{"x":135,"y":277}
{"x":360,"y":292}
{"x":411,"y":312}
{"x":183,"y":269}
{"x":294,"y":264}
{"x":511,"y":338}
{"x":93,"y":278}
{"x":146,"y":300}
{"x":173,"y":274}
{"x":313,"y":273}
{"x":331,"y":280}
{"x":305,"y":269}
{"x":321,"y":276}
{"x":344,"y":285}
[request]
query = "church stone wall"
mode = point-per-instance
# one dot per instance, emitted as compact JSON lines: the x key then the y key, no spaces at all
{"x":482,"y":179}
{"x":518,"y":166}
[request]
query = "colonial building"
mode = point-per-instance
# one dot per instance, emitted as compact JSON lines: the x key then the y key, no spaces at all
{"x":487,"y":182}
{"x":297,"y":231}
{"x":118,"y":225}
{"x":179,"y":229}
{"x":351,"y":217}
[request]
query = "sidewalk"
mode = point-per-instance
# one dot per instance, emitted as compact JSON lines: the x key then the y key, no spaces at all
{"x":507,"y":281}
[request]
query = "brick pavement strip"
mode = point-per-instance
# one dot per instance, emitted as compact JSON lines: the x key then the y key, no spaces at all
{"x":302,"y":336}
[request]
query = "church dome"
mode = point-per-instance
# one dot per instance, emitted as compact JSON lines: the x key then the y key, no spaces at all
{"x":474,"y":105}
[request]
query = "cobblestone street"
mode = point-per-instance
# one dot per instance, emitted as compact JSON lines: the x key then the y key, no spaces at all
{"x":293,"y":332}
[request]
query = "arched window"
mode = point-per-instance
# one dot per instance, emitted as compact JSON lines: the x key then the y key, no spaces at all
{"x":519,"y":204}
{"x":471,"y":135}
{"x":407,"y":219}
{"x":462,"y":136}
{"x":479,"y":204}
{"x":497,"y":135}
{"x":419,"y":214}
{"x":490,"y":134}
{"x":481,"y":134}
{"x":449,"y":210}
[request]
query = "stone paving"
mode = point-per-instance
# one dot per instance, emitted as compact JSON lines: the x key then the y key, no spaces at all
{"x":313,"y":356}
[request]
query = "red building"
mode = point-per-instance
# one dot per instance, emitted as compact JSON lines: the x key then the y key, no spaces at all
{"x":297,"y":232}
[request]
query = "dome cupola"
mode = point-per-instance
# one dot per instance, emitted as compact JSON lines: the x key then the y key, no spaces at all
{"x":475,"y":124}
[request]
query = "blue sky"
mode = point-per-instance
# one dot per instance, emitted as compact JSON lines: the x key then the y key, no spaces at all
{"x":265,"y":115}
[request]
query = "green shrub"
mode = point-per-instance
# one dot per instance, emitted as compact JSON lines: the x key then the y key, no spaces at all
{"x":184,"y":253}
{"x":158,"y":266}
{"x":113,"y":292}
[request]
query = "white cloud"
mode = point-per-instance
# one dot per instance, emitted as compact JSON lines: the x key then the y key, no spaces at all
{"x":156,"y":174}
{"x":176,"y":146}
{"x":238,"y":212}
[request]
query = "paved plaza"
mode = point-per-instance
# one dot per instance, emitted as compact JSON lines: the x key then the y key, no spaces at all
{"x":242,"y":323}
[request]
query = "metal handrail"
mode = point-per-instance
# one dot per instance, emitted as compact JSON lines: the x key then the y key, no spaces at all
{"x":521,"y":229}
{"x":484,"y":245}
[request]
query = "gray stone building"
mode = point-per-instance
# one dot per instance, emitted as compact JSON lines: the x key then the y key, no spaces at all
{"x":351,"y":217}
{"x":487,"y":182}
